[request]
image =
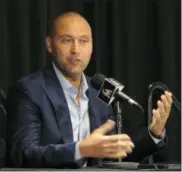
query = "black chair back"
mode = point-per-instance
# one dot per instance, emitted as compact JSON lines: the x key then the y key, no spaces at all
{"x":2,"y":129}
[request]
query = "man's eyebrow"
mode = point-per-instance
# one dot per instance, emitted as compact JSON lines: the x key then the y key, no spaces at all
{"x":85,"y":36}
{"x":69,"y":36}
{"x":65,"y":35}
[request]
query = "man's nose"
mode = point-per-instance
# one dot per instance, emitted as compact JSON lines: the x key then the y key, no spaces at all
{"x":75,"y":49}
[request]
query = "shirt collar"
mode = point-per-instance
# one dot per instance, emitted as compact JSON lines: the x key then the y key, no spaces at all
{"x":66,"y":85}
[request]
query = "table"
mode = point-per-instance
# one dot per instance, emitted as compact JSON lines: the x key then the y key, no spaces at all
{"x":169,"y":167}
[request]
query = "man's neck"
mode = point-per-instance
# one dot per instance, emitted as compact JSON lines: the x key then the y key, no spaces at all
{"x":75,"y":81}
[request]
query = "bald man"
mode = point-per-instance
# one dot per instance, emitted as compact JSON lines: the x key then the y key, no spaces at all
{"x":55,"y":119}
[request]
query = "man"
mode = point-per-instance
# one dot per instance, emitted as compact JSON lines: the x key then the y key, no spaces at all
{"x":54,"y":117}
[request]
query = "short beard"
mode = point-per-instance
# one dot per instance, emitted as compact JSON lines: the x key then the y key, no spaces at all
{"x":65,"y":73}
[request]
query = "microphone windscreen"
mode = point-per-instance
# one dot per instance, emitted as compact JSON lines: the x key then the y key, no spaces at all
{"x":97,"y":80}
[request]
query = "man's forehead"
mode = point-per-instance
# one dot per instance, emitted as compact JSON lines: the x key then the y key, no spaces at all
{"x":71,"y":23}
{"x":72,"y":28}
{"x":72,"y":20}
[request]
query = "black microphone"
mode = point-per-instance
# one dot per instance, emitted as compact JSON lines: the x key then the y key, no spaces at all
{"x":163,"y":87}
{"x":110,"y":89}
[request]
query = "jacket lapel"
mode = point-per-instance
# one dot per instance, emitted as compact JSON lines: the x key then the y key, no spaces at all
{"x":94,"y":107}
{"x":56,"y":95}
{"x":94,"y":114}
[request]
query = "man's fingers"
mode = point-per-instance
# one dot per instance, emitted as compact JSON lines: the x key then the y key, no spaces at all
{"x":153,"y":117}
{"x":166,"y":104}
{"x":157,"y":115}
{"x":106,"y":127}
{"x":125,"y":145}
{"x":161,"y":108}
{"x":115,"y":150}
{"x":119,"y":154}
{"x":168,"y":96}
{"x":113,"y":153}
{"x":116,"y":137}
{"x":118,"y":146}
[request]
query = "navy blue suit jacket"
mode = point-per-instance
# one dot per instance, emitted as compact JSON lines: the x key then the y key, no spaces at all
{"x":39,"y":125}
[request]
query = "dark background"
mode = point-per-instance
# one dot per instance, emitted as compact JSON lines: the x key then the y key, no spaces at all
{"x":135,"y":41}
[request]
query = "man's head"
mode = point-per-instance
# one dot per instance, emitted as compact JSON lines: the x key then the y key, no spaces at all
{"x":70,"y":43}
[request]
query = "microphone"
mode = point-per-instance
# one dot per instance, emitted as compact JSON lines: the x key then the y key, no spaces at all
{"x":110,"y":89}
{"x":163,"y":87}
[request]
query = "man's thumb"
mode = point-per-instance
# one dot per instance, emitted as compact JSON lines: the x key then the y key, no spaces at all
{"x":106,"y":127}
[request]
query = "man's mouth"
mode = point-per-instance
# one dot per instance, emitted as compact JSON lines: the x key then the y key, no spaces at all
{"x":74,"y":60}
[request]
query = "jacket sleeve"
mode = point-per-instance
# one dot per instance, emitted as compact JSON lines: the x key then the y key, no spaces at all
{"x":24,"y":135}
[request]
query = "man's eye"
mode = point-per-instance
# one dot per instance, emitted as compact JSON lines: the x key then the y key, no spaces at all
{"x":66,"y":40}
{"x":83,"y":41}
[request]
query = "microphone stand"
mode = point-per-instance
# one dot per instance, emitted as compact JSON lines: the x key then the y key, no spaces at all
{"x":119,"y":164}
{"x":119,"y":120}
{"x":149,"y":119}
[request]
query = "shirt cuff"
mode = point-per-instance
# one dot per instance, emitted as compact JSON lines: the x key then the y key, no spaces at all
{"x":77,"y":153}
{"x":156,"y":140}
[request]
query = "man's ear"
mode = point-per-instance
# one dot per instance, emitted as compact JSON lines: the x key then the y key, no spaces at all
{"x":49,"y":44}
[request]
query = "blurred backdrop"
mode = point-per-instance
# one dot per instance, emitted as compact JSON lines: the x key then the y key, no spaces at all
{"x":136,"y":42}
